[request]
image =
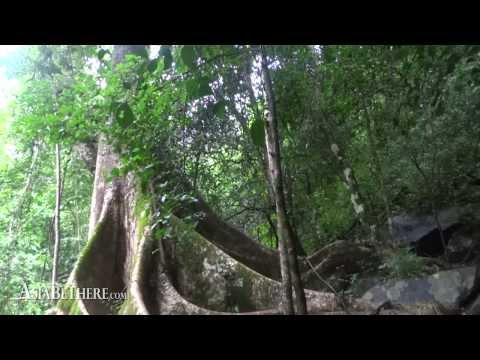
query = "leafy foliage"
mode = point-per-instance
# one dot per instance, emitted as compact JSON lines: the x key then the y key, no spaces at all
{"x":403,"y":264}
{"x":404,"y":117}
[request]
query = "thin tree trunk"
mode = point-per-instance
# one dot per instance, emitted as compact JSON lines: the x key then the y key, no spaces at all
{"x":293,"y":228}
{"x":264,"y":162}
{"x":347,"y":175}
{"x":56,"y":246}
{"x":379,"y":170}
{"x":433,"y":204}
{"x":288,"y":257}
{"x":77,"y":226}
{"x":350,"y":183}
{"x":51,"y":224}
{"x":273,"y":229}
{"x":13,"y":226}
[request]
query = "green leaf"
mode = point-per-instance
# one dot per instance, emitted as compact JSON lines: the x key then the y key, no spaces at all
{"x":167,"y":57}
{"x":191,"y":87}
{"x":164,"y":50}
{"x":160,"y":232}
{"x":204,"y":87}
{"x":188,"y":55}
{"x":257,"y":131}
{"x":101,"y":53}
{"x":114,"y":106}
{"x":219,"y":109}
{"x":142,"y":52}
{"x":152,"y":65}
{"x":124,"y":115}
{"x":167,"y":61}
{"x":115,"y":172}
{"x":197,"y":88}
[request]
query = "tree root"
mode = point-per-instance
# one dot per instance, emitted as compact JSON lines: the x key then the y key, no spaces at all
{"x":341,"y":258}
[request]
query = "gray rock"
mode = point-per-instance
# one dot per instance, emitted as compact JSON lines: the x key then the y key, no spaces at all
{"x":474,"y":309}
{"x":445,"y":287}
{"x":361,"y":286}
{"x":459,"y":247}
{"x":410,"y":228}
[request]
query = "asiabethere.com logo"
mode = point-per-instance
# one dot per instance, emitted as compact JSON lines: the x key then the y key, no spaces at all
{"x":69,"y":293}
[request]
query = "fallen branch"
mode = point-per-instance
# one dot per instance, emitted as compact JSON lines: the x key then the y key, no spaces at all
{"x":341,"y":258}
{"x":342,"y":302}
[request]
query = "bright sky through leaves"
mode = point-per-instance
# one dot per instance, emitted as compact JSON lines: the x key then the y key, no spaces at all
{"x":9,"y":58}
{"x":7,"y":85}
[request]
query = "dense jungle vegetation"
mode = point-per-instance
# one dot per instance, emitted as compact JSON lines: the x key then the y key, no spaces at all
{"x":294,"y":147}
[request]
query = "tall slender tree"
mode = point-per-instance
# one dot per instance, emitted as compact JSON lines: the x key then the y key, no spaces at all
{"x":58,"y":200}
{"x":288,"y":256}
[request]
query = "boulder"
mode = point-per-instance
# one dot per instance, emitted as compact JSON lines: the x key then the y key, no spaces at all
{"x":362,"y":285}
{"x":409,"y":228}
{"x":421,"y":233}
{"x":445,"y":287}
{"x":463,"y":246}
{"x":474,"y":308}
{"x":459,"y":248}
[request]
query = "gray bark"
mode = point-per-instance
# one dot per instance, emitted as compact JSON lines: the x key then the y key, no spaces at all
{"x":379,"y":170}
{"x":13,"y":226}
{"x":56,"y":246}
{"x":122,"y":192}
{"x":112,"y":259}
{"x":288,"y":257}
{"x":347,"y":174}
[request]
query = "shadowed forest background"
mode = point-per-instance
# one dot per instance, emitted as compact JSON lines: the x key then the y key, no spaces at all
{"x":328,"y":168}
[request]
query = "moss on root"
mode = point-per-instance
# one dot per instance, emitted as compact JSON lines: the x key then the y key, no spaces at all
{"x":80,"y":268}
{"x":83,"y":276}
{"x":204,"y":274}
{"x":69,"y":307}
{"x":128,"y":307}
{"x":210,"y":278}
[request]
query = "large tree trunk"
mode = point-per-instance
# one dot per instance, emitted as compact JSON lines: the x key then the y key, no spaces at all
{"x":113,"y":225}
{"x":212,"y":269}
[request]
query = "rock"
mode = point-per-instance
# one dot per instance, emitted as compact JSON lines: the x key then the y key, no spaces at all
{"x":463,"y":245}
{"x":411,"y":228}
{"x":474,"y":309}
{"x":445,"y":287}
{"x":361,"y":286}
{"x":459,"y":247}
{"x":421,"y":233}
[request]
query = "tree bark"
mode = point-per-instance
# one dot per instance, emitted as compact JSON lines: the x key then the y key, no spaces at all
{"x":117,"y":256}
{"x":263,"y":154}
{"x":433,"y":203}
{"x":288,"y":257}
{"x":379,"y":170}
{"x":17,"y":215}
{"x":347,"y":173}
{"x":107,"y":159}
{"x":56,"y":246}
{"x":113,"y":224}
